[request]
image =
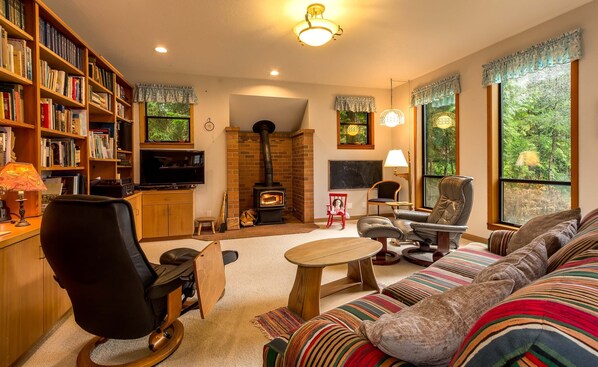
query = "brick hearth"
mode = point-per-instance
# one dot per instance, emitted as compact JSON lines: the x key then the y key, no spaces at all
{"x":293,"y":166}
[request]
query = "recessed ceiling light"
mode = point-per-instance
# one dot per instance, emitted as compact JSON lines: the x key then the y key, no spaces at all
{"x":161,"y":49}
{"x":274,"y":72}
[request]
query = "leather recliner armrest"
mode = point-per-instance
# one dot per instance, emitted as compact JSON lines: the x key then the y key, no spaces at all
{"x":411,"y":215}
{"x":438,"y":227}
{"x":170,"y":280}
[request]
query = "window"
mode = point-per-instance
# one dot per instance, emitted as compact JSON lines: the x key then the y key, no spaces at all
{"x":166,"y":124}
{"x":439,"y":146}
{"x":535,"y":144}
{"x":355,"y":130}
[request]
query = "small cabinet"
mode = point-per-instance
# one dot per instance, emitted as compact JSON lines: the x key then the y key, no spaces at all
{"x":56,"y":300}
{"x":136,"y":203}
{"x":167,"y":213}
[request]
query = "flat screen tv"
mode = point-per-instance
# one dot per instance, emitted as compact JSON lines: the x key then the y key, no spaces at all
{"x":161,"y":167}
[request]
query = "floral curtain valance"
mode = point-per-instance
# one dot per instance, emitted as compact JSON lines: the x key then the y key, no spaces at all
{"x":560,"y":50}
{"x":164,"y":94}
{"x":439,"y":93}
{"x":355,"y":103}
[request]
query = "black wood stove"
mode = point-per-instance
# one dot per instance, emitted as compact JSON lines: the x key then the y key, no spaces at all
{"x":269,"y":198}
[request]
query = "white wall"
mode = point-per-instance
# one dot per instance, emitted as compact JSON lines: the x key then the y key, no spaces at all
{"x":472,"y":106}
{"x":213,"y":94}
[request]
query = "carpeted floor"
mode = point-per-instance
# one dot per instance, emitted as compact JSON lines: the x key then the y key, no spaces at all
{"x":289,"y":227}
{"x":258,"y":282}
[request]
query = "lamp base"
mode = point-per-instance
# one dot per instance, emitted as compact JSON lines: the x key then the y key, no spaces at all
{"x":22,"y":221}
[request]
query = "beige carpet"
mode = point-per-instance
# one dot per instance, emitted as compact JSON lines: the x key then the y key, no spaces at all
{"x":258,"y":282}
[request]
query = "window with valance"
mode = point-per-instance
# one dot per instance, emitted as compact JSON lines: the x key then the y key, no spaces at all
{"x":439,"y":137}
{"x":166,"y":113}
{"x":355,"y":122}
{"x":534,"y":130}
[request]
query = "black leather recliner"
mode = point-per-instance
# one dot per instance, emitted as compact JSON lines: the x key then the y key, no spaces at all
{"x":90,"y":243}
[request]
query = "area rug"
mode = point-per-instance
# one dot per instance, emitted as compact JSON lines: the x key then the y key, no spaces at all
{"x":277,"y":322}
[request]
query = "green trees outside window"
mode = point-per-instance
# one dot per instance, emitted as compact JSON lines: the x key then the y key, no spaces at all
{"x":535,"y":144}
{"x":439,"y":148}
{"x":168,"y":122}
{"x":355,"y":129}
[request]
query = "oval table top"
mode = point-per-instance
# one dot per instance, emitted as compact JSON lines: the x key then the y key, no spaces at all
{"x":332,"y":251}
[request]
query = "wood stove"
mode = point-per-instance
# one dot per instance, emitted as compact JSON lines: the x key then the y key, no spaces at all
{"x":269,"y":198}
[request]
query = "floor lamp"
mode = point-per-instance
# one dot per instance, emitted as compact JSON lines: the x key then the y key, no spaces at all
{"x":396,"y":159}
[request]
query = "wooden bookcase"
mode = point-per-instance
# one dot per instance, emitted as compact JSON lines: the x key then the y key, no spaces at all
{"x":57,"y":50}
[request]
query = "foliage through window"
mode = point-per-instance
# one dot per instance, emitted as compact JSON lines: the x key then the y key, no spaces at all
{"x":355,"y":129}
{"x":439,"y":147}
{"x":168,"y":122}
{"x":535,"y":144}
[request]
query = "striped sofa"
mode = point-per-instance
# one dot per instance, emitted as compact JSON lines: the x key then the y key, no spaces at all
{"x":551,"y":322}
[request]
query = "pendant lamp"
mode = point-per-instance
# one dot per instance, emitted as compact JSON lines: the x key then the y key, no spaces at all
{"x":392,"y":117}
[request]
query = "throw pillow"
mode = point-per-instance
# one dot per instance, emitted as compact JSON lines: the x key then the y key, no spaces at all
{"x":578,"y":245}
{"x":523,"y":266}
{"x":558,"y":236}
{"x":429,"y":332}
{"x":539,"y":225}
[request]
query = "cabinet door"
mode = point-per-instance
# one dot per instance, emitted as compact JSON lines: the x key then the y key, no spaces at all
{"x":21,"y":298}
{"x":136,"y":204}
{"x":155,"y":221}
{"x":180,"y":221}
{"x":56,"y":300}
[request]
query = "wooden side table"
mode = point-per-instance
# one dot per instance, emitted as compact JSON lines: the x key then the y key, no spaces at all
{"x":312,"y":257}
{"x":200,"y":221}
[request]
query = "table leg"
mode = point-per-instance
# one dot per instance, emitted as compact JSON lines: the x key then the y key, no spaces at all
{"x":363,"y":271}
{"x":304,"y":299}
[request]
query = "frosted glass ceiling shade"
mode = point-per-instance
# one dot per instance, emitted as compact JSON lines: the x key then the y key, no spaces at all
{"x":315,"y":30}
{"x":395,"y":158}
{"x":392,"y":118}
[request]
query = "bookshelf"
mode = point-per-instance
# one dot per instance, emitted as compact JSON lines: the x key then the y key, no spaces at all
{"x":65,"y":99}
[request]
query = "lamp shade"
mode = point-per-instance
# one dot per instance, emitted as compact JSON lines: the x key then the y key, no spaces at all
{"x":392,"y":117}
{"x":20,"y":177}
{"x":396,"y":158}
{"x":315,"y":30}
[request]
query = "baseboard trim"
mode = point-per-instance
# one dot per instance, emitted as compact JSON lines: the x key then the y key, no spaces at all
{"x":474,"y":238}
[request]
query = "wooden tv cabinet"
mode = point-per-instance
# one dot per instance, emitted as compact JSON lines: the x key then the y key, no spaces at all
{"x":167,"y":213}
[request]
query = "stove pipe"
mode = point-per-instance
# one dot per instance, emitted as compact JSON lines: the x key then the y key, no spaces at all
{"x":264,"y":128}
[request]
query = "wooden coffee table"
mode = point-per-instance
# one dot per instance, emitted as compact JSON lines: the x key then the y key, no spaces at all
{"x":311,"y":258}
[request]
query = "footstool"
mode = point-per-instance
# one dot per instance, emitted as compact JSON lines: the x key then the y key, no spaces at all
{"x":380,"y":229}
{"x":200,"y":221}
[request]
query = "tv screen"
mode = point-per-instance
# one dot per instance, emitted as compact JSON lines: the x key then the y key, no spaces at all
{"x":171,"y":167}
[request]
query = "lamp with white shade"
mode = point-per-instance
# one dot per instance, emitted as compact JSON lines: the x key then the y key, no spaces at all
{"x":315,"y":30}
{"x":396,"y":159}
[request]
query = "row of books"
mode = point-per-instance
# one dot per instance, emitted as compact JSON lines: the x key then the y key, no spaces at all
{"x":62,"y":183}
{"x":120,"y":110}
{"x":101,"y":99}
{"x":60,"y":44}
{"x":100,"y":75}
{"x":101,"y":144}
{"x":14,"y":11}
{"x":6,"y":139}
{"x":15,"y":55}
{"x":60,"y":152}
{"x":58,"y":117}
{"x":120,"y":92}
{"x":59,"y":81}
{"x":11,"y":102}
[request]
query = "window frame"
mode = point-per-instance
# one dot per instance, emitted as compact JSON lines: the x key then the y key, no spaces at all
{"x":143,"y":143}
{"x":370,"y":134}
{"x":494,"y":142}
{"x":423,"y":175}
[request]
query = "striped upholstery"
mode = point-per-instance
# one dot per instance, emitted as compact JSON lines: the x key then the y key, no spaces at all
{"x":324,"y":343}
{"x":457,"y":268}
{"x":552,"y":322}
{"x":585,"y":239}
{"x":498,"y":241}
{"x":347,"y":316}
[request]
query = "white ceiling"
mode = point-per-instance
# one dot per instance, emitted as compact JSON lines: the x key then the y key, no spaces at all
{"x":402,"y":39}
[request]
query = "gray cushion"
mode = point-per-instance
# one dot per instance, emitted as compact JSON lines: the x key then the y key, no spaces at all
{"x":539,"y":225}
{"x":558,"y":236}
{"x":430,"y":332}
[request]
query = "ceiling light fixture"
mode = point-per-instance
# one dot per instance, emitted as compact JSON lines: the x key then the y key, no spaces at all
{"x":274,"y":73}
{"x":315,"y":30}
{"x":392,"y":117}
{"x":161,"y":49}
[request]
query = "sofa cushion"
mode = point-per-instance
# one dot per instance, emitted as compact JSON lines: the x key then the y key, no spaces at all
{"x":585,"y":239}
{"x":539,"y":225}
{"x":468,"y":261}
{"x":552,"y":322}
{"x":430,"y":332}
{"x":523,"y":266}
{"x":559,"y":235}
